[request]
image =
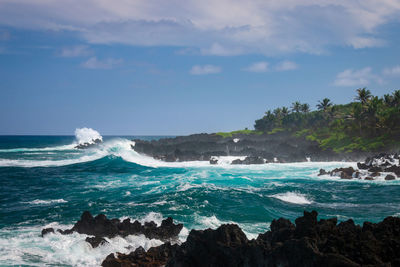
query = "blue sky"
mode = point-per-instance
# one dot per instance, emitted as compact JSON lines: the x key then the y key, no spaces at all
{"x":180,"y":67}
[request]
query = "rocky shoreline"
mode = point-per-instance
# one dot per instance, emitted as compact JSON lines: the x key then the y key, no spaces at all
{"x":384,"y":166}
{"x":257,"y":148}
{"x":308,"y":242}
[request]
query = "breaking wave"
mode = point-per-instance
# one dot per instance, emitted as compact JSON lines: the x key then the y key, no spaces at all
{"x":293,"y":197}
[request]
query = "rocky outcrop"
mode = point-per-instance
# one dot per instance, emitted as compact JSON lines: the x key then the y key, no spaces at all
{"x":308,"y":242}
{"x":89,"y":144}
{"x":96,"y":241}
{"x":283,"y":146}
{"x":101,"y":227}
{"x":249,"y":161}
{"x":372,"y":167}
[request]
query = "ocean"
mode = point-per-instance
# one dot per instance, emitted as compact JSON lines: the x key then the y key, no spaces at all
{"x":46,"y":182}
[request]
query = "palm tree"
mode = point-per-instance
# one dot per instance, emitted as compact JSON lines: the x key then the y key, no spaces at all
{"x":296,"y":106}
{"x":305,"y":108}
{"x":396,"y":97}
{"x":388,"y":100}
{"x":324,"y":104}
{"x":278,"y":112}
{"x":285,"y":111}
{"x":363,"y":95}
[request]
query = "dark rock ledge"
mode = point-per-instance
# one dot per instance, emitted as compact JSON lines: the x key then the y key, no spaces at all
{"x":384,"y":164}
{"x":308,"y":242}
{"x":101,"y":227}
{"x":279,"y":147}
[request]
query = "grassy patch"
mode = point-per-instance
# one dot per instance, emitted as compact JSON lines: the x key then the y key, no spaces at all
{"x":230,"y":134}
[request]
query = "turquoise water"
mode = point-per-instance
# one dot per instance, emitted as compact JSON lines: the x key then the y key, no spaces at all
{"x":45,"y":182}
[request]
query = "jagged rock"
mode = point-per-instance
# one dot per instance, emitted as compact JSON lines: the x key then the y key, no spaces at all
{"x":369,"y":178}
{"x":393,"y":168}
{"x":362,"y":166}
{"x":46,"y":231}
{"x":307,"y":243}
{"x":96,"y":241}
{"x":375,"y":169}
{"x":343,"y":173}
{"x":249,"y":161}
{"x":322,"y":172}
{"x":375,"y":174}
{"x":390,"y":177}
{"x":213,"y":161}
{"x":375,"y":165}
{"x":87,"y":145}
{"x":100,"y":226}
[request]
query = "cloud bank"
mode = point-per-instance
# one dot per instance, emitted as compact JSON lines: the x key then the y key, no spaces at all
{"x":262,"y":27}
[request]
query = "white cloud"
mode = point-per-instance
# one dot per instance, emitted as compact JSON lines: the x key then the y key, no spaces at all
{"x":223,"y":27}
{"x":75,"y":51}
{"x":219,"y":50}
{"x":206,"y":69}
{"x":361,"y":77}
{"x":364,"y":42}
{"x":257,"y":67}
{"x":394,"y":71}
{"x":286,"y":65}
{"x":94,"y":63}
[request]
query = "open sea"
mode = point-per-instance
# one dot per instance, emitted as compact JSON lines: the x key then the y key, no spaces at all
{"x":46,"y":182}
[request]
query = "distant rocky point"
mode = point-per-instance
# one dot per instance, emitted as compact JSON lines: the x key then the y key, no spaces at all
{"x":257,"y":148}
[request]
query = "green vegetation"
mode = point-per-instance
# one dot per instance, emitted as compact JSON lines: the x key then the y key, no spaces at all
{"x":245,"y":131}
{"x":369,"y":124}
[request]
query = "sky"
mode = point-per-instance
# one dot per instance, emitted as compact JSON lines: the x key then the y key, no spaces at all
{"x":157,"y":67}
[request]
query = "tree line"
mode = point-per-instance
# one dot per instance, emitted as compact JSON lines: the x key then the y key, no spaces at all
{"x":368,"y":116}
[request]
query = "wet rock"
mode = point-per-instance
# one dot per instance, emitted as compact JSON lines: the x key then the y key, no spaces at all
{"x":343,"y":173}
{"x":393,"y":168}
{"x":213,"y":161}
{"x":375,"y":169}
{"x":390,"y":177}
{"x":322,"y":172}
{"x":96,"y":241}
{"x":369,"y":178}
{"x":249,"y":160}
{"x":155,"y":256}
{"x":46,"y":231}
{"x":375,"y":174}
{"x":88,"y":145}
{"x":362,"y":166}
{"x":101,"y":227}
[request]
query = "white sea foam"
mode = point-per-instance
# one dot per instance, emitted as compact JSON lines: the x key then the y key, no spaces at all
{"x":46,"y":202}
{"x":38,"y":149}
{"x":49,"y":163}
{"x":87,"y":135}
{"x":293,"y":197}
{"x":25,"y":246}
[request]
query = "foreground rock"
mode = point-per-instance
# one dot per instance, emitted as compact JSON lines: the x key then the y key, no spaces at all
{"x":101,"y":227}
{"x":385,"y":165}
{"x":282,"y":146}
{"x":308,"y":242}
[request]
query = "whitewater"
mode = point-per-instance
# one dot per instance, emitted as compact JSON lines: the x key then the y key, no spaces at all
{"x":45,"y":181}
